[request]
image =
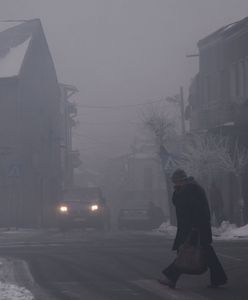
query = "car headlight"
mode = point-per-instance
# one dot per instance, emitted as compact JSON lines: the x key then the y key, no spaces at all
{"x":63,"y":209}
{"x":94,"y":207}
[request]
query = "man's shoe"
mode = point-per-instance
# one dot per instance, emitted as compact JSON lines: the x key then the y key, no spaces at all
{"x":167,"y":282}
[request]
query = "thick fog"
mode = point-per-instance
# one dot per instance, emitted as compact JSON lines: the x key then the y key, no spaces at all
{"x":120,"y":53}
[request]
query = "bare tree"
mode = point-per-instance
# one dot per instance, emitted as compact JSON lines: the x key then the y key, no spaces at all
{"x":200,"y":155}
{"x":160,"y":124}
{"x":235,"y":162}
{"x":204,"y":156}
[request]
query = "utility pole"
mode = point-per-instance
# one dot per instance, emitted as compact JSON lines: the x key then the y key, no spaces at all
{"x":182,"y":110}
{"x":179,"y":100}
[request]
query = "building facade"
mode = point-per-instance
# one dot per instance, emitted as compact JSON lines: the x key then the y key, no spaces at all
{"x":70,"y":158}
{"x":30,"y":127}
{"x":136,"y":179}
{"x":218,"y":96}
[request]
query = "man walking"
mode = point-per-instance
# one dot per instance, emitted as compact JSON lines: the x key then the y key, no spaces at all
{"x":192,"y":212}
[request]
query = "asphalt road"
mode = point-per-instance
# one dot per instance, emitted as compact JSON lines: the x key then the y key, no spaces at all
{"x":98,"y":266}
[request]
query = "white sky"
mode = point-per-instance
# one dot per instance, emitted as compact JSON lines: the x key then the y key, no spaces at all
{"x":120,"y":52}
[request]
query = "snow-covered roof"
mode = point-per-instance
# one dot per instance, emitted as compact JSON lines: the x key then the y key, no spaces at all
{"x":4,"y":25}
{"x":224,"y":32}
{"x":15,"y":37}
{"x":11,"y":59}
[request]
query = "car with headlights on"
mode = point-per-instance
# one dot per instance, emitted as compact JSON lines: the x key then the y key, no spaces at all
{"x":81,"y":207}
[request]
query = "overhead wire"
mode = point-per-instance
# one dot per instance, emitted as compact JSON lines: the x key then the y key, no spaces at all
{"x":111,"y":122}
{"x":83,"y":136}
{"x":117,"y":106}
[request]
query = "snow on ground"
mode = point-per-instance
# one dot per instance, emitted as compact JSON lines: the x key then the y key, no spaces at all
{"x":9,"y":288}
{"x":230,"y":231}
{"x":226,"y":231}
{"x":13,"y":292}
{"x":167,"y":229}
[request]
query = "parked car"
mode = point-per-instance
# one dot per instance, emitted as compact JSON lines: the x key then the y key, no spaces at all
{"x":143,"y":217}
{"x":81,"y":207}
{"x":133,"y":218}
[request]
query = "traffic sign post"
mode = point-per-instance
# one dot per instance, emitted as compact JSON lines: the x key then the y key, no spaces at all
{"x":14,"y":173}
{"x":168,"y":165}
{"x":168,"y":161}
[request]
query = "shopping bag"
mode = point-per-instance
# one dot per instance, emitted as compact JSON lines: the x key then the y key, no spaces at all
{"x":191,"y":258}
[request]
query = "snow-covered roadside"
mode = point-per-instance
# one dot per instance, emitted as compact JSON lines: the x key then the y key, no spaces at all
{"x":10,"y":289}
{"x":166,"y":229}
{"x":226,"y":231}
{"x":12,"y":292}
{"x":16,"y":282}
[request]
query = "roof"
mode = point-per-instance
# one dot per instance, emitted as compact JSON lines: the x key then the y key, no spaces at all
{"x":11,"y":61}
{"x":225,"y":32}
{"x":15,"y":39}
{"x":4,"y":25}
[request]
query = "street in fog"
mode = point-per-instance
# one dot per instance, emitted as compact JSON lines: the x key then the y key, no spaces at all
{"x":123,"y":127}
{"x":98,"y":266}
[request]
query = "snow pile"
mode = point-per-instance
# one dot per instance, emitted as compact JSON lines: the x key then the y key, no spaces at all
{"x":167,"y":228}
{"x":230,"y":231}
{"x":13,"y":274}
{"x":241,"y":232}
{"x":13,"y":292}
{"x":226,"y":231}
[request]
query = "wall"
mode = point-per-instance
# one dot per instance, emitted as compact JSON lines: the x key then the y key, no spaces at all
{"x":39,"y":133}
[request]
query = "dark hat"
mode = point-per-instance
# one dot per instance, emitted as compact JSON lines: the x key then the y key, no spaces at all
{"x":179,"y":175}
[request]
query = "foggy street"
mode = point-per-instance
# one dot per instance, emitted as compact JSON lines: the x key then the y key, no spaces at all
{"x":97,"y":265}
{"x":123,"y":135}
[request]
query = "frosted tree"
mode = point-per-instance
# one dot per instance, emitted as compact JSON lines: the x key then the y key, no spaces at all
{"x":159,"y":123}
{"x":235,"y":161}
{"x":200,"y":156}
{"x":205,"y":156}
{"x":158,"y":120}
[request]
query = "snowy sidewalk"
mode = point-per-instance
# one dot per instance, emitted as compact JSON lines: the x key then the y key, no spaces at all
{"x":11,"y":284}
{"x":226,"y":231}
{"x":24,"y":235}
{"x":17,"y":283}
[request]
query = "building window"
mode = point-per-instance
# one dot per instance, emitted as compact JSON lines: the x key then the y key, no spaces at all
{"x":148,"y":178}
{"x":206,"y":89}
{"x":233,"y":80}
{"x":237,"y":79}
{"x":222,"y":80}
{"x":215,"y":87}
{"x":246,"y":77}
{"x":241,"y":78}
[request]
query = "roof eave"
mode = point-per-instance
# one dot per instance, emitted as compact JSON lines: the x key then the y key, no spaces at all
{"x":4,"y":80}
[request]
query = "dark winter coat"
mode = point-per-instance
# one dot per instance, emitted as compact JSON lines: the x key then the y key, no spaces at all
{"x":192,"y":211}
